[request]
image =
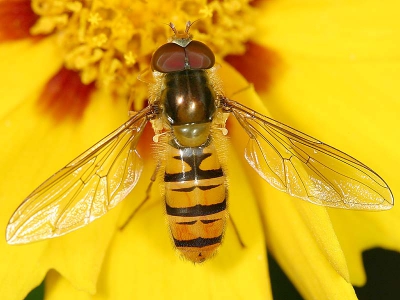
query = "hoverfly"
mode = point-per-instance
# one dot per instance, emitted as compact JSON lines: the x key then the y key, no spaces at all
{"x":188,"y":111}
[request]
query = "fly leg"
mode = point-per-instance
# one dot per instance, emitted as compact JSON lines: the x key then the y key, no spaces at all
{"x":237,"y":232}
{"x":148,"y":193}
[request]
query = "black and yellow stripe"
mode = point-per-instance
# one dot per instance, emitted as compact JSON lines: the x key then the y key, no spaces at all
{"x":196,"y":199}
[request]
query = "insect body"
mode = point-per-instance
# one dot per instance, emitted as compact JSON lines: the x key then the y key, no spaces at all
{"x":188,"y":112}
{"x":195,"y":183}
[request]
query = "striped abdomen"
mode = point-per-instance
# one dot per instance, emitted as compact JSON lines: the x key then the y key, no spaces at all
{"x":195,"y":197}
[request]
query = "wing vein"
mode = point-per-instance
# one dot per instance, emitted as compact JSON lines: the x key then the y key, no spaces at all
{"x":311,"y":170}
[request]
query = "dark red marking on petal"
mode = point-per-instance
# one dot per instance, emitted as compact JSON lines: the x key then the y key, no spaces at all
{"x":65,"y":96}
{"x":257,"y":3}
{"x":146,"y":147}
{"x":16,"y":18}
{"x":258,"y":65}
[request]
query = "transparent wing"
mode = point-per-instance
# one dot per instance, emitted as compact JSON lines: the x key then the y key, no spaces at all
{"x":84,"y":190}
{"x":304,"y":167}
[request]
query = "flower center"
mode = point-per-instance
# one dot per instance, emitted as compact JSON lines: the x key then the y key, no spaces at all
{"x":110,"y":42}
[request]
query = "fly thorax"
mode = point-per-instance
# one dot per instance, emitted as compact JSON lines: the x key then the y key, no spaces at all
{"x":189,"y":106}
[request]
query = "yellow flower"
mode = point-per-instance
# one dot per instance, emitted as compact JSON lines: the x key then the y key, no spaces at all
{"x":326,"y":65}
{"x":340,"y":71}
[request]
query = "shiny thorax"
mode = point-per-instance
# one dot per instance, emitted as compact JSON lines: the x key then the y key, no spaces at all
{"x":188,"y":102}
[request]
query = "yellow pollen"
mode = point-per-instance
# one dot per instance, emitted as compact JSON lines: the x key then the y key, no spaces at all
{"x":206,"y":12}
{"x":130,"y":58}
{"x":94,"y":19}
{"x":99,"y":40}
{"x":110,"y":42}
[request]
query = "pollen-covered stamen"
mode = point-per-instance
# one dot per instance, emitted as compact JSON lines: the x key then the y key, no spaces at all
{"x":111,"y":42}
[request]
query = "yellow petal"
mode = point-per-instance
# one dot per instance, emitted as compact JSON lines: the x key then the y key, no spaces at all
{"x":299,"y":234}
{"x":338,"y":82}
{"x":59,"y":288}
{"x":142,"y":263}
{"x":25,"y":68}
{"x":359,"y":231}
{"x":78,"y":256}
{"x":301,"y":238}
{"x":36,"y":147}
{"x":20,"y":271}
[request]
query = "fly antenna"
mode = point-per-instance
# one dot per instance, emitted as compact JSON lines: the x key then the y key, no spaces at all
{"x":174,"y":28}
{"x":182,"y":38}
{"x":188,"y":25}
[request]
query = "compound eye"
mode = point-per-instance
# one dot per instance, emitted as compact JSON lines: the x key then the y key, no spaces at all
{"x":199,"y":55}
{"x":168,"y":58}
